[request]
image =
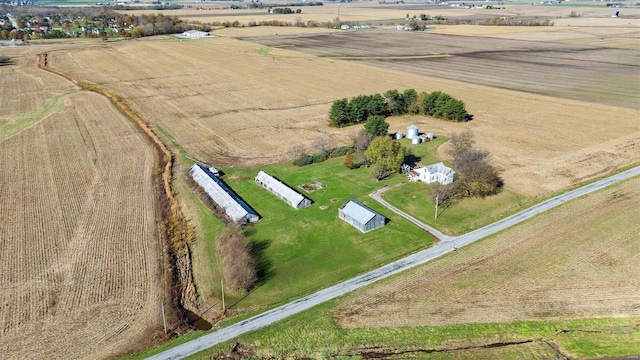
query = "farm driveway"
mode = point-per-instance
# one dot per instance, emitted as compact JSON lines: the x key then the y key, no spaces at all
{"x":406,"y":263}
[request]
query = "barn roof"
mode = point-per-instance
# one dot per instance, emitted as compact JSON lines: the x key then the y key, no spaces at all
{"x":358,"y":212}
{"x":221,"y":194}
{"x":280,"y":188}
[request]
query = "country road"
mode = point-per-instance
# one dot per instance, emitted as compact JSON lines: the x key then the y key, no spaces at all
{"x":395,"y":267}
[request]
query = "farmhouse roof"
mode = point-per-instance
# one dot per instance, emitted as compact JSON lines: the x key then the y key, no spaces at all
{"x":440,"y":168}
{"x":358,"y":212}
{"x":222,"y":195}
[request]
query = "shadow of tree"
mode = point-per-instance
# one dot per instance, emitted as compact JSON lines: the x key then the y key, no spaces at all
{"x":411,"y":160}
{"x":263,"y":266}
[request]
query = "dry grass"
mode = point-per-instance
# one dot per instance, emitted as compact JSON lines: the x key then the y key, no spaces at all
{"x":238,"y":103}
{"x":79,"y":272}
{"x":572,"y":262}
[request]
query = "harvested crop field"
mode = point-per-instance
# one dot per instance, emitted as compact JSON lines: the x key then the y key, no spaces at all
{"x":79,"y":263}
{"x":242,"y":104}
{"x":574,"y":71}
{"x":572,"y":262}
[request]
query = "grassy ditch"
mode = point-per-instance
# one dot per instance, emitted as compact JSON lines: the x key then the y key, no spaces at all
{"x":24,"y":120}
{"x":314,"y":334}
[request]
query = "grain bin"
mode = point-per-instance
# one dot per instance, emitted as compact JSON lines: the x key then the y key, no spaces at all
{"x":430,"y":136}
{"x":398,"y":135}
{"x":412,"y":132}
{"x":416,"y":140}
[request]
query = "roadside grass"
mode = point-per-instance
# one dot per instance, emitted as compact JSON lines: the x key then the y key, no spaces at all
{"x":314,"y":334}
{"x":463,"y":216}
{"x":24,"y":120}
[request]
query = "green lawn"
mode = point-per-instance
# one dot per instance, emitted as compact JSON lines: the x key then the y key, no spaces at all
{"x":464,"y":216}
{"x":305,"y":250}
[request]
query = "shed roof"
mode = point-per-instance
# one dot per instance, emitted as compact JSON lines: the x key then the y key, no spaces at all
{"x":280,"y":188}
{"x":358,"y":212}
{"x":221,"y":194}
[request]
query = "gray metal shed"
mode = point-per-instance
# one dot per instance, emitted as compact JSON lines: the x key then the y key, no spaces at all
{"x":360,"y":216}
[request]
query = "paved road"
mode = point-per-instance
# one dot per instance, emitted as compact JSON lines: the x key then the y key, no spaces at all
{"x":408,"y":262}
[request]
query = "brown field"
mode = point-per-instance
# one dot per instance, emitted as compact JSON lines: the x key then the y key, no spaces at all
{"x":80,"y":273}
{"x":542,"y":67}
{"x":232,"y":102}
{"x":575,"y":261}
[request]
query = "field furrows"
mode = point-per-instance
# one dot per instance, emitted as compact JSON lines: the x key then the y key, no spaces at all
{"x":78,"y":268}
{"x":573,"y":262}
{"x":585,"y":72}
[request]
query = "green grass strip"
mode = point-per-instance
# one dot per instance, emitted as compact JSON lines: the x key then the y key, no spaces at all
{"x":27,"y":119}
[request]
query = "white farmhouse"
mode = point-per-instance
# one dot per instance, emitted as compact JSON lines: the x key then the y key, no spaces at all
{"x":437,"y":172}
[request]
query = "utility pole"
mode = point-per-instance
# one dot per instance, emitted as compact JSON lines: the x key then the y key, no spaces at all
{"x":224,"y":308}
{"x":164,"y":319}
{"x":437,"y":199}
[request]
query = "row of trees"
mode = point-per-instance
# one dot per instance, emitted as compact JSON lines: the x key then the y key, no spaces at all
{"x":345,"y":112}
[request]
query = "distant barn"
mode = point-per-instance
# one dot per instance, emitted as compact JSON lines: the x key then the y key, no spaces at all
{"x":282,"y":190}
{"x":223,"y":196}
{"x":360,"y":216}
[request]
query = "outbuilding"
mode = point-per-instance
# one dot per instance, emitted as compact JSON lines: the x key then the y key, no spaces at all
{"x":194,"y":34}
{"x":223,"y":196}
{"x":360,"y":216}
{"x":282,"y":190}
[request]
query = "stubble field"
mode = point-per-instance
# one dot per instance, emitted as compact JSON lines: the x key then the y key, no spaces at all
{"x":574,"y":262}
{"x":80,"y":273}
{"x":243,"y":104}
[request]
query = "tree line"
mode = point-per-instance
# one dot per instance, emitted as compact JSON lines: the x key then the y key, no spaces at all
{"x":346,"y":112}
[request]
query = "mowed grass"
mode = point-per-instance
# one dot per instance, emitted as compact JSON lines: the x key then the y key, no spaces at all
{"x":301,"y":251}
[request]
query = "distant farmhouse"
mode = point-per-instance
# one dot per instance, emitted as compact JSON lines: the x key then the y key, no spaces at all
{"x":194,"y":34}
{"x":223,"y":196}
{"x":282,"y":190}
{"x":360,"y":216}
{"x":437,"y":172}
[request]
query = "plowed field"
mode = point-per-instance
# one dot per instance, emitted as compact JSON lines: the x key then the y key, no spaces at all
{"x":572,"y":262}
{"x":232,"y":102}
{"x":79,"y":255}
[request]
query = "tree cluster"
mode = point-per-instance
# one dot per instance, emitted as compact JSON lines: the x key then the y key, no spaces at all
{"x":345,"y":112}
{"x":386,"y":156}
{"x":238,"y":267}
{"x":475,"y":175}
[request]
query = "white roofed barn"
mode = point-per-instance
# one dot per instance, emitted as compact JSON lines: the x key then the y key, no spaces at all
{"x":282,"y":190}
{"x":223,"y":196}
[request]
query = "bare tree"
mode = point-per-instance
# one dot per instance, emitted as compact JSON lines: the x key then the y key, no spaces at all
{"x":321,"y":144}
{"x":296,"y":152}
{"x":460,"y":142}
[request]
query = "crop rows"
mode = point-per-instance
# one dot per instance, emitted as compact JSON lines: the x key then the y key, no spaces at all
{"x":78,"y":269}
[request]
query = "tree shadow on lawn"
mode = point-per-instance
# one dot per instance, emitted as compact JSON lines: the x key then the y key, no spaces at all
{"x":263,"y":266}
